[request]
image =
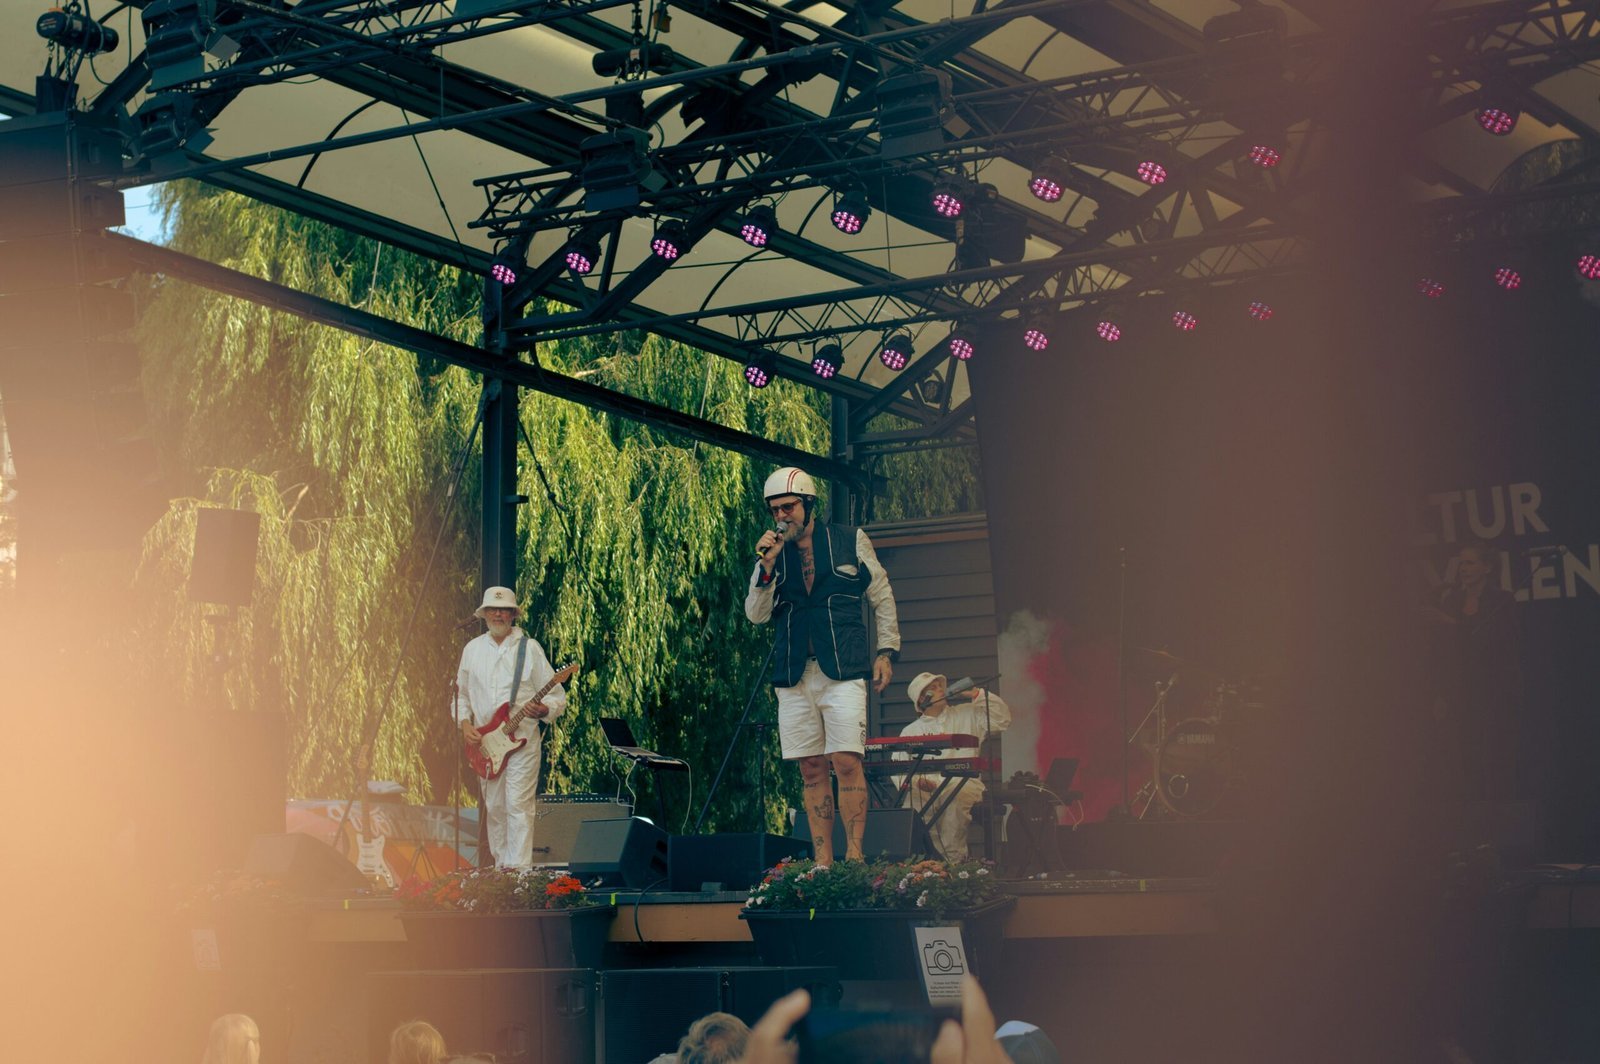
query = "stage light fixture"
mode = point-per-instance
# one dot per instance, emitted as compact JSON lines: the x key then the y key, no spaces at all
{"x":1498,"y":121}
{"x":502,"y":271}
{"x":1508,"y":278}
{"x":1036,"y":335}
{"x":670,"y":241}
{"x":165,"y":122}
{"x":582,"y":255}
{"x":77,"y":32}
{"x":851,"y":211}
{"x":1265,"y":155}
{"x":1109,"y":331}
{"x":634,"y":59}
{"x":1589,"y":267}
{"x":1431,"y":288}
{"x":1152,"y":172}
{"x":1049,"y":180}
{"x":827,"y":360}
{"x":1259,"y":311}
{"x":1184,"y":321}
{"x":174,"y":41}
{"x":961,"y":346}
{"x":949,"y":197}
{"x":896,"y":351}
{"x":759,"y":371}
{"x":758,"y":225}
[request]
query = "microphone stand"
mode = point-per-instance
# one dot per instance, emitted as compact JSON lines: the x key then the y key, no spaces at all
{"x":738,"y":732}
{"x":989,"y":769}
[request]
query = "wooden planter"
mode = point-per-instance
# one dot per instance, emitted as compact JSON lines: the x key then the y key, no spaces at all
{"x":546,"y":938}
{"x":873,"y":943}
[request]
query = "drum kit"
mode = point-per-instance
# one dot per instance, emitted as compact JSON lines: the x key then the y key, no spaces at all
{"x":1196,"y":743}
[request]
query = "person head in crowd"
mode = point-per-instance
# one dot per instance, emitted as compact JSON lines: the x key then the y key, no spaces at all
{"x":234,"y":1039}
{"x":1026,"y":1044}
{"x":416,"y":1042}
{"x":717,"y":1038}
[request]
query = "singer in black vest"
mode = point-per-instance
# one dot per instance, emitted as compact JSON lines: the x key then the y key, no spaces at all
{"x":811,"y":581}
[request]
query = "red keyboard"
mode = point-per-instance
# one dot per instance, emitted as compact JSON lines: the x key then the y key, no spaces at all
{"x":891,"y":743}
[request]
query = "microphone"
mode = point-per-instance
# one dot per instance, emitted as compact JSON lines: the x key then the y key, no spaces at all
{"x":782,"y":529}
{"x":966,"y":683}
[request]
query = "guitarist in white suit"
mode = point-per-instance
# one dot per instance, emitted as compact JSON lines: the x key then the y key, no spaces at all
{"x":484,"y":680}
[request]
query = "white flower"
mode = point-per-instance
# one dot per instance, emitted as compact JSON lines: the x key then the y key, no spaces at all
{"x":962,"y":875}
{"x":904,"y":881}
{"x":922,"y":899}
{"x":751,"y":900}
{"x":983,"y":871}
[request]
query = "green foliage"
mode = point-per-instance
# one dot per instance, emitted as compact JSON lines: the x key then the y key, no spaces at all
{"x":634,"y":546}
{"x":936,"y":887}
{"x":934,"y":482}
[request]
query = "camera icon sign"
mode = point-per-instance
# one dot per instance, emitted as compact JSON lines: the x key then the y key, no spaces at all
{"x":941,"y":958}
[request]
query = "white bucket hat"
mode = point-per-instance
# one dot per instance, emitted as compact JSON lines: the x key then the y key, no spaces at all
{"x":920,"y":684}
{"x":498,"y":598}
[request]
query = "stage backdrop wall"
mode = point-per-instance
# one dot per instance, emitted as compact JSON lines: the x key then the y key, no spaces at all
{"x":1165,"y":481}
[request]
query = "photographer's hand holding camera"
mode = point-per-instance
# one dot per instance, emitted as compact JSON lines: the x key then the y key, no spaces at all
{"x":971,"y":1041}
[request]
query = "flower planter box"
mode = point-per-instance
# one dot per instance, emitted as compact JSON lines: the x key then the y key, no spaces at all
{"x":546,"y":938}
{"x":873,"y":943}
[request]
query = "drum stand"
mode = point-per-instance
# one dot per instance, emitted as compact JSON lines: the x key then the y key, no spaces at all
{"x":1158,"y":709}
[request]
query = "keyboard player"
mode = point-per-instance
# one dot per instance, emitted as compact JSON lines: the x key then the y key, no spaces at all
{"x":938,"y":714}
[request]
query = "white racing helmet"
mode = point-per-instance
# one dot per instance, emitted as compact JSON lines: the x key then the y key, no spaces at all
{"x":789,"y":480}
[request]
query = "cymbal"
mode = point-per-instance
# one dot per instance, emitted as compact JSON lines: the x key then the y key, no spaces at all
{"x":1147,"y":660}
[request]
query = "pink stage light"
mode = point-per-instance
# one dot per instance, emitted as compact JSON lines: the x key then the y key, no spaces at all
{"x":1508,"y":278}
{"x":503,"y":273}
{"x":1589,"y":266}
{"x":1430,"y":288}
{"x":1496,"y":121}
{"x":1259,"y":310}
{"x":1152,"y":172}
{"x":757,"y":375}
{"x":1185,"y":321}
{"x":961,"y":347}
{"x":1035,"y":338}
{"x":1045,"y":188}
{"x":896,"y":352}
{"x":1108,"y":331}
{"x":1265,"y":156}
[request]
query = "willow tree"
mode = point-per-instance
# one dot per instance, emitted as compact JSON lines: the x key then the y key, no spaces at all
{"x":634,"y":545}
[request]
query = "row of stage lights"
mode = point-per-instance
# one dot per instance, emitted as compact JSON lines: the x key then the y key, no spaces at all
{"x":949,"y":198}
{"x":897,"y":350}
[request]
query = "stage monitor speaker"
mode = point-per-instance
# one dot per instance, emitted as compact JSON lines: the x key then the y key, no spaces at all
{"x":644,"y":1012}
{"x":893,"y":833}
{"x":224,"y":567}
{"x":733,"y":861}
{"x":303,"y":864}
{"x":627,"y":853}
{"x":558,"y":818}
{"x":520,"y":1015}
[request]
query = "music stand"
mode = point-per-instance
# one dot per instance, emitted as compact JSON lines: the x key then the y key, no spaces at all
{"x":620,"y":737}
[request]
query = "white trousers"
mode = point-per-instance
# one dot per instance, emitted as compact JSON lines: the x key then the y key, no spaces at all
{"x":509,"y":804}
{"x":950,"y":833}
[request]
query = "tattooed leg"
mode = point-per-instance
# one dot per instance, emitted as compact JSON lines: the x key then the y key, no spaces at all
{"x":819,"y":806}
{"x":852,"y":801}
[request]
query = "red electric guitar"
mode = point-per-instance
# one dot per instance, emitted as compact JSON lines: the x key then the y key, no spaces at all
{"x":488,"y":758}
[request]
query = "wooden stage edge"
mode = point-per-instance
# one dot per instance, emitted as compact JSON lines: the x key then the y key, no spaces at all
{"x":684,"y":918}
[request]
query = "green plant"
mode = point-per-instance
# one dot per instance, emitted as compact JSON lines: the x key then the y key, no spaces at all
{"x":493,"y":890}
{"x":937,"y":887}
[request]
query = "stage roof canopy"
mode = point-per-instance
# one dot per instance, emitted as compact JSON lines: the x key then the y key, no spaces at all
{"x":460,"y":130}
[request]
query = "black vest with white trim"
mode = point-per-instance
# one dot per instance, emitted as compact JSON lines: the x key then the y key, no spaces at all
{"x":828,"y":622}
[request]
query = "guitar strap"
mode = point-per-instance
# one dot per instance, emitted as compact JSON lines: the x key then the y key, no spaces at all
{"x":516,"y":672}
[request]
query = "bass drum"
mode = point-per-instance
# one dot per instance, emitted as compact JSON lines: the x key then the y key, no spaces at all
{"x":1195,"y":768}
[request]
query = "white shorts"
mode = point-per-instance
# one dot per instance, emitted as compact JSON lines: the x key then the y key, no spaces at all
{"x":822,"y":716}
